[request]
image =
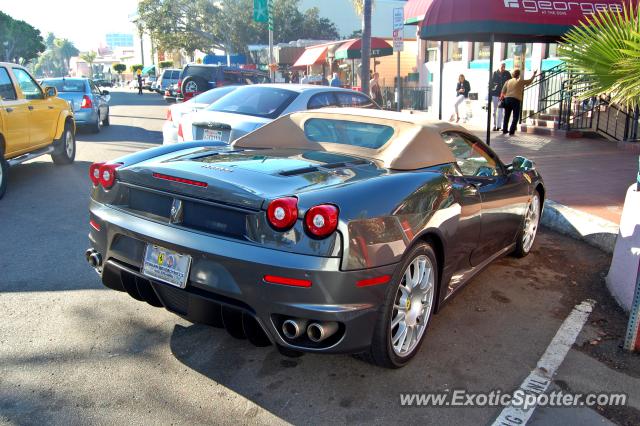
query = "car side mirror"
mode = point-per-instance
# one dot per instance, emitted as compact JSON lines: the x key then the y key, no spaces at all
{"x":104,"y":92}
{"x":522,"y":164}
{"x":50,"y":92}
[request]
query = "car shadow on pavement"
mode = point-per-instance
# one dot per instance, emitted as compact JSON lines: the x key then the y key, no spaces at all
{"x":55,"y":241}
{"x":477,"y":342}
{"x":117,"y":133}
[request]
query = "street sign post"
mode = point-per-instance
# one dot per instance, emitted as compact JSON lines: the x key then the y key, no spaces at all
{"x":398,"y":46}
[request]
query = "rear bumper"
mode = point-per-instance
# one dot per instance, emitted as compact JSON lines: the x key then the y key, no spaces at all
{"x":84,"y":117}
{"x":169,"y":133}
{"x":229,"y":274}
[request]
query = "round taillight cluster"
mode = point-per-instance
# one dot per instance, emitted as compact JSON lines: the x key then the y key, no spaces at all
{"x":103,"y":174}
{"x":282,"y":213}
{"x":321,"y":220}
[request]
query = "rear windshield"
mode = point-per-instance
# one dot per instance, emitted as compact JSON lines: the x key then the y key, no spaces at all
{"x":210,"y":96}
{"x":66,"y":85}
{"x":364,"y":135}
{"x":265,"y":102}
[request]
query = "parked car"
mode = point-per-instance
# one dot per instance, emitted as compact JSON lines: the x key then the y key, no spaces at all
{"x":325,"y":231}
{"x":90,"y":104}
{"x":148,"y":82}
{"x":197,"y":103}
{"x":198,"y":78}
{"x":168,"y":78}
{"x":33,"y":122}
{"x":170,"y":94}
{"x":101,"y":82}
{"x":249,"y":107}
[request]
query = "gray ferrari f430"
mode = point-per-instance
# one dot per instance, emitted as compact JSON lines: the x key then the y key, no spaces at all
{"x":327,"y":231}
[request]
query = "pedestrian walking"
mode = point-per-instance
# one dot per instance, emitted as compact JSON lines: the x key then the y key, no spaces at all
{"x":512,"y":94}
{"x":499,"y":78}
{"x":375,"y":89}
{"x":462,"y":93}
{"x":335,"y":80}
{"x":139,"y":83}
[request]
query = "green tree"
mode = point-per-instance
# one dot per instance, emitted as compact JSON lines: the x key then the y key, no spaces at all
{"x":606,"y":50}
{"x":65,"y":50}
{"x":166,"y":64}
{"x":136,"y":67}
{"x":19,"y":41}
{"x":89,"y":58}
{"x":119,"y":68}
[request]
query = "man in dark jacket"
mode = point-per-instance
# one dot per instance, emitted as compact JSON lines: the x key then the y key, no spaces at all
{"x":499,"y":78}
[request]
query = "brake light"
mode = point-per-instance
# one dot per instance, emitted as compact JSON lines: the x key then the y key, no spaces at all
{"x":169,"y":116}
{"x":282,"y":213}
{"x":180,"y":134}
{"x":321,"y":220}
{"x":94,"y":173}
{"x":108,"y":174}
{"x":86,"y":102}
{"x":294,"y":282}
{"x":179,"y":86}
{"x":180,"y":180}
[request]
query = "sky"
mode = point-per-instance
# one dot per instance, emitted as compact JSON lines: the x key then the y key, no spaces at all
{"x":84,"y":22}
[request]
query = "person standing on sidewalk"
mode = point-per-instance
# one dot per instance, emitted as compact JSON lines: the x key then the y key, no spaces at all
{"x":462,"y":93}
{"x":375,"y":90}
{"x":139,"y":83}
{"x":499,"y":78}
{"x":512,"y":94}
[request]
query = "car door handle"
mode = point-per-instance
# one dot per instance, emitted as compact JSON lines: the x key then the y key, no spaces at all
{"x":8,"y":109}
{"x":30,"y":108}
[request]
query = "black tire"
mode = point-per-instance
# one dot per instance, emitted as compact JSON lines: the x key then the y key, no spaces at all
{"x":97,"y":126}
{"x":106,"y":121}
{"x":194,"y":84}
{"x":522,"y":247}
{"x":64,"y":154}
{"x":4,"y":174}
{"x":381,"y":352}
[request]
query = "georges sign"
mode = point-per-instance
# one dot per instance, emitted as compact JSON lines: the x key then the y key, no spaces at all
{"x":551,"y":7}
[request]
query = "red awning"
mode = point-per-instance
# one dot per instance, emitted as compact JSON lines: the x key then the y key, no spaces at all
{"x":415,"y":10}
{"x":352,"y":49}
{"x":507,"y":20}
{"x":311,"y":56}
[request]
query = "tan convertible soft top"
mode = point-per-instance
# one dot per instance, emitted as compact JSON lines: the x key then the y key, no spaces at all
{"x":416,"y":142}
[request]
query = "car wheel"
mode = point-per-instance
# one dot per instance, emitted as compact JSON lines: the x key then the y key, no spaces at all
{"x":530,"y":225}
{"x":407,"y":309}
{"x":97,"y":126}
{"x":4,"y":174}
{"x":105,"y":121}
{"x":65,"y":151}
{"x":194,"y":84}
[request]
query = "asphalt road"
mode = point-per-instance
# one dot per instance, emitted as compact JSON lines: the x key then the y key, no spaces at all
{"x":74,"y":352}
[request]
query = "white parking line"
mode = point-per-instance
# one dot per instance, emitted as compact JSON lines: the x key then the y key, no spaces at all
{"x":540,"y":378}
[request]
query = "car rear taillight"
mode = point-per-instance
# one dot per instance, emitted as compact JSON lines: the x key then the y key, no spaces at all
{"x":169,"y":116}
{"x":321,"y":220}
{"x":180,"y":133}
{"x":282,"y":213}
{"x":107,"y":174}
{"x":86,"y":102}
{"x":179,"y":86}
{"x":94,"y":173}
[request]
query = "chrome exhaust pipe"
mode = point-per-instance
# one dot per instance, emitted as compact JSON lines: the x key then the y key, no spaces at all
{"x":319,"y":331}
{"x":88,"y":253}
{"x":294,"y":328}
{"x":93,"y":258}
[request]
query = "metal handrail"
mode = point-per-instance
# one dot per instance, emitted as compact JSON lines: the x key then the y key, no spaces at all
{"x":544,"y":92}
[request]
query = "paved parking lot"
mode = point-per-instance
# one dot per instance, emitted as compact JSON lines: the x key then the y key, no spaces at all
{"x":73,"y":352}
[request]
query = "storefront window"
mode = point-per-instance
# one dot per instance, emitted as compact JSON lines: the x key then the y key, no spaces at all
{"x":513,"y":48}
{"x":551,"y":50}
{"x":432,"y":51}
{"x":454,"y":51}
{"x":481,"y":51}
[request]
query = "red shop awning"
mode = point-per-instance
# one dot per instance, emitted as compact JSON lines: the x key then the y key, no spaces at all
{"x":415,"y":10}
{"x":311,"y":56}
{"x":508,"y":20}
{"x":352,"y":49}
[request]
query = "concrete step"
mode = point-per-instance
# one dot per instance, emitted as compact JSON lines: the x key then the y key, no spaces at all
{"x":552,"y":124}
{"x":551,"y":132}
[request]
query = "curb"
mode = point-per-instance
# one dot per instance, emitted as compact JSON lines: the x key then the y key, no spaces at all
{"x":582,"y":226}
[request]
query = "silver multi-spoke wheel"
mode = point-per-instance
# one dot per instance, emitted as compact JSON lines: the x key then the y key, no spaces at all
{"x":69,"y":146}
{"x":191,"y":87}
{"x":531,"y":221}
{"x":412,"y":306}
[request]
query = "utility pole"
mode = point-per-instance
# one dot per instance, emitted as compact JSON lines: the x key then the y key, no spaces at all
{"x":366,"y":45}
{"x":272,"y":72}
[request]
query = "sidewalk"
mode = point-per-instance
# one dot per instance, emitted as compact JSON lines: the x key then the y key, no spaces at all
{"x":589,"y":175}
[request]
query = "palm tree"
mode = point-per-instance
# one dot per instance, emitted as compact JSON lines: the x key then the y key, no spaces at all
{"x":606,"y":50}
{"x":363,"y":8}
{"x":66,"y":50}
{"x":89,"y":58}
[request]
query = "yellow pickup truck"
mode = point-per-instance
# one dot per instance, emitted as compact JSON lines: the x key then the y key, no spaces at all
{"x":33,"y":122}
